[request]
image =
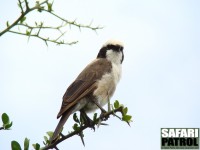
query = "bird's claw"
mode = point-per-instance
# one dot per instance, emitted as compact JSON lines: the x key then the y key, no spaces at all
{"x":103,"y":117}
{"x":90,"y":124}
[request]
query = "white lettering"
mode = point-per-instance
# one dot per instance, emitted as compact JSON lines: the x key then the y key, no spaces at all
{"x":196,"y":132}
{"x":190,"y":132}
{"x":178,"y":132}
{"x":184,"y":133}
{"x":164,"y":132}
{"x":171,"y":133}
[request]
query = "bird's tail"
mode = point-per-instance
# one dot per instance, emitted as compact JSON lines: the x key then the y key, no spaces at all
{"x":60,"y":125}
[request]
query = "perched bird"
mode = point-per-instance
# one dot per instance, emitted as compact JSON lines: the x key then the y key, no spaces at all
{"x":94,"y":86}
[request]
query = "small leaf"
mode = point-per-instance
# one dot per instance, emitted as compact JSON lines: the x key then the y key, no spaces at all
{"x":125,"y":110}
{"x":28,"y":32}
{"x":82,"y":120}
{"x":7,"y":24}
{"x":23,"y":19}
{"x":76,"y":118}
{"x":15,"y":145}
{"x":116,"y":104}
{"x":95,"y":117}
{"x":36,"y":146}
{"x":40,"y":8}
{"x":127,"y":118}
{"x":41,"y":24}
{"x":50,"y":6}
{"x":50,"y":134}
{"x":26,"y":144}
{"x":7,"y":126}
{"x":45,"y":138}
{"x":76,"y":127}
{"x":5,"y":118}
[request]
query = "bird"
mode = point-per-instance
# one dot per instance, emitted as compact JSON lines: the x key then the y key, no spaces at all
{"x":94,"y":86}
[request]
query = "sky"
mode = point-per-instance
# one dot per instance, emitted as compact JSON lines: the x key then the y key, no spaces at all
{"x":160,"y":83}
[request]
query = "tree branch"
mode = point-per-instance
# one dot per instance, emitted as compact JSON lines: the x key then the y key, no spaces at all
{"x":77,"y":132}
{"x":46,"y":39}
{"x":23,"y":13}
{"x":44,"y":6}
{"x":74,"y":22}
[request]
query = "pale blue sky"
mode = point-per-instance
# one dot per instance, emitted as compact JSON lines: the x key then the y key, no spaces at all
{"x":160,"y":82}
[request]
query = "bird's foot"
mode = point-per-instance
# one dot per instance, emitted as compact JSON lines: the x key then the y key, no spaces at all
{"x":103,"y":116}
{"x":87,"y":121}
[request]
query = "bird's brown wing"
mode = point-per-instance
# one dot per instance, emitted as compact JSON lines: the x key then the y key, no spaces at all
{"x":84,"y":84}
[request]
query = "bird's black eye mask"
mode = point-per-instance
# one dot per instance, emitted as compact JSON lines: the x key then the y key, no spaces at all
{"x":103,"y":50}
{"x":115,"y":47}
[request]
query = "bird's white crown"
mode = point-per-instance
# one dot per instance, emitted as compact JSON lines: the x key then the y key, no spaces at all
{"x":113,"y":42}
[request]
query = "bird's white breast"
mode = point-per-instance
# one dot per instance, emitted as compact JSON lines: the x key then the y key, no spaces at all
{"x":106,"y":87}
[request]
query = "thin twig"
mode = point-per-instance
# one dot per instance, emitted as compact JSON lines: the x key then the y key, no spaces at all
{"x":39,"y":26}
{"x":45,"y":39}
{"x":24,"y":13}
{"x":20,"y":6}
{"x":73,"y":22}
{"x":41,"y":7}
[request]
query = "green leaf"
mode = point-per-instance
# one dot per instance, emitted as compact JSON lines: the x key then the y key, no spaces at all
{"x":28,"y":32}
{"x":36,"y":146}
{"x":46,"y":138}
{"x":15,"y":145}
{"x":23,"y":19}
{"x":76,"y":127}
{"x":50,"y":6}
{"x":41,"y":24}
{"x":40,"y":8}
{"x":50,"y":134}
{"x":76,"y":118}
{"x":95,"y":117}
{"x":7,"y":24}
{"x":7,"y":126}
{"x":5,"y":118}
{"x":82,"y":120}
{"x":26,"y":144}
{"x":116,"y":104}
{"x":125,"y":110}
{"x":127,"y":118}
